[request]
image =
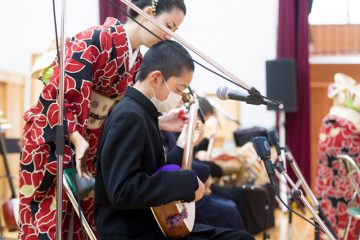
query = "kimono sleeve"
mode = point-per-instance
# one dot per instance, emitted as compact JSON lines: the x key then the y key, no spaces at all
{"x":88,"y":53}
{"x":85,"y":53}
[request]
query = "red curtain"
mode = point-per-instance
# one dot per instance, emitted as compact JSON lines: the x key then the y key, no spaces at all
{"x":293,"y":43}
{"x":108,"y":10}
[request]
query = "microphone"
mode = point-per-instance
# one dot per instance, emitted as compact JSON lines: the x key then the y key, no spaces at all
{"x":254,"y":98}
{"x":274,"y":141}
{"x":262,"y":149}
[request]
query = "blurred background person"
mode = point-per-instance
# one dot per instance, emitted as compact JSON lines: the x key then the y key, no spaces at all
{"x":339,"y":134}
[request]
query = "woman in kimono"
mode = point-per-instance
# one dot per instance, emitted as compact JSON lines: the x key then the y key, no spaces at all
{"x":339,"y":134}
{"x":100,"y":62}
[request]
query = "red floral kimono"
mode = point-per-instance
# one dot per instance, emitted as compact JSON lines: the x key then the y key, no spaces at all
{"x":333,"y":188}
{"x":98,"y":68}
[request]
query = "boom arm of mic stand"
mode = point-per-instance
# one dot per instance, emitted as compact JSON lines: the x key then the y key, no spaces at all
{"x":313,"y":212}
{"x":307,"y":189}
{"x":290,"y":158}
{"x":186,"y":44}
{"x":74,"y":202}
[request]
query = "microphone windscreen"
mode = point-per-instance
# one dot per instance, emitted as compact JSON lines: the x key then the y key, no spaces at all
{"x":273,"y":137}
{"x":222,"y":92}
{"x":262,"y":147}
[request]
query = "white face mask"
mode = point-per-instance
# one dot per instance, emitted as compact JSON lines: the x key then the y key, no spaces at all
{"x":169,"y":103}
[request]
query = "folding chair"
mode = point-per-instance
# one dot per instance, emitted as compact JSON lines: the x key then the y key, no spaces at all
{"x":352,"y":170}
{"x":72,"y":186}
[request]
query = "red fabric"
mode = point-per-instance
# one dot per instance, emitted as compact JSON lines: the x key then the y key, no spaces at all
{"x":293,"y":43}
{"x":96,"y":60}
{"x":333,"y":187}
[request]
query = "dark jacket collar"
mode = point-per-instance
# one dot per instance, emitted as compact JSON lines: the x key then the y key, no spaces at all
{"x":142,"y":100}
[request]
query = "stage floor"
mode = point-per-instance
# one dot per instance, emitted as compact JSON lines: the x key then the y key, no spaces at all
{"x":282,"y":229}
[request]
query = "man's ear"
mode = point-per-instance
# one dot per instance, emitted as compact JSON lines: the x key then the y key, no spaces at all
{"x":155,"y":78}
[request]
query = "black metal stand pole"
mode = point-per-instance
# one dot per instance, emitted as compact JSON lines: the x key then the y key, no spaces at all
{"x":60,"y":128}
{"x":267,"y":207}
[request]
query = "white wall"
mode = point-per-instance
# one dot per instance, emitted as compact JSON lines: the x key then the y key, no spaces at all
{"x":238,"y":34}
{"x":28,"y":27}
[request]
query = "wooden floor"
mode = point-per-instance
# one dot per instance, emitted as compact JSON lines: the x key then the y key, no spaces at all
{"x":300,"y":230}
{"x":9,"y":236}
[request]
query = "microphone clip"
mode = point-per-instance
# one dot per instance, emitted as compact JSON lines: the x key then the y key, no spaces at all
{"x":254,"y":97}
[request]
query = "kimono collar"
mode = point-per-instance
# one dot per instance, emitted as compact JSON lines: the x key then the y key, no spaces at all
{"x":142,"y":100}
{"x":132,"y":53}
{"x":122,"y":43}
{"x":346,"y":113}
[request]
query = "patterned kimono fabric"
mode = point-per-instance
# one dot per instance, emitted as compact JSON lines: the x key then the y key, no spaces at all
{"x":334,"y":191}
{"x":98,"y":69}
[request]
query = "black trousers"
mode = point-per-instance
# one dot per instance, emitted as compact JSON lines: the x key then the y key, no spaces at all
{"x":202,"y":231}
{"x":253,"y":202}
{"x":199,"y":232}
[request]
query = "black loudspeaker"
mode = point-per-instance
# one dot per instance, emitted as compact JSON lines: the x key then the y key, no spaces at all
{"x":281,"y":83}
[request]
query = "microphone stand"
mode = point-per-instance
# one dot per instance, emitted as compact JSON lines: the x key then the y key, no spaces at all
{"x":284,"y":153}
{"x":256,"y":97}
{"x":283,"y":188}
{"x":298,"y":194}
{"x":262,"y":148}
{"x":286,"y":196}
{"x":60,"y":136}
{"x":290,"y":158}
{"x":202,"y":55}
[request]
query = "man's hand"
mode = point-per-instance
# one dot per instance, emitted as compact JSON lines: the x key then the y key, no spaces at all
{"x":208,"y":184}
{"x":199,"y":194}
{"x":81,"y":148}
{"x":198,"y":135}
{"x":173,"y":121}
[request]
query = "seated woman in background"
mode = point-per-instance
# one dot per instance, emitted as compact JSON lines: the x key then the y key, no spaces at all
{"x":211,"y":209}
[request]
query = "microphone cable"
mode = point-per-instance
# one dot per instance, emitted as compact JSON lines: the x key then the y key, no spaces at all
{"x":296,"y":213}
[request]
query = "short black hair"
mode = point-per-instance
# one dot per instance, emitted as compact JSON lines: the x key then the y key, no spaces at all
{"x":205,"y":106}
{"x":162,"y":6}
{"x":168,"y":57}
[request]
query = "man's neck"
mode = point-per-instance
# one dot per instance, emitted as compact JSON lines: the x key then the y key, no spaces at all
{"x":144,"y":88}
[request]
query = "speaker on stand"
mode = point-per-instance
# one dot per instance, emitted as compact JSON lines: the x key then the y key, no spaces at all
{"x":281,"y":83}
{"x":281,"y":86}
